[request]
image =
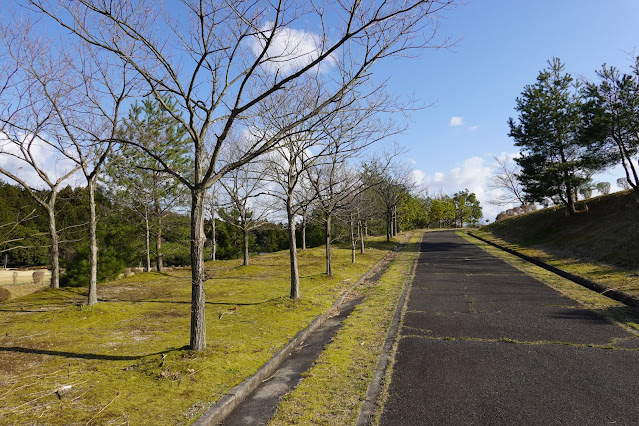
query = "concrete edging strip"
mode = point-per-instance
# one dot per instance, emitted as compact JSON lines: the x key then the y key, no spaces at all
{"x":227,"y":403}
{"x":611,"y":293}
{"x":375,"y":387}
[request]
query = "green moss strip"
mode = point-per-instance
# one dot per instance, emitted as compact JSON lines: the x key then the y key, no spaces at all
{"x":333,"y":390}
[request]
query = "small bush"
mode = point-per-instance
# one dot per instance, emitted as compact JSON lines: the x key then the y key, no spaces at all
{"x":38,"y":276}
{"x":78,"y":268}
{"x":4,"y":294}
{"x":14,"y":277}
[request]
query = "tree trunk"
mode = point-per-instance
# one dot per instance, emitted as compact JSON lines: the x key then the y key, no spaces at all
{"x":54,"y":250}
{"x":388,"y":228}
{"x":93,"y":247}
{"x":198,"y":238}
{"x":245,"y":234}
{"x":213,"y":238}
{"x":292,"y":249}
{"x":352,"y":233}
{"x":360,"y":231}
{"x":572,"y":209}
{"x":159,"y":261}
{"x":304,"y":231}
{"x":327,"y":230}
{"x":394,"y":223}
{"x":147,"y":241}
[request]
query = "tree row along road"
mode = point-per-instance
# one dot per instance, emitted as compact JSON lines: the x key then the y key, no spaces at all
{"x":483,"y":343}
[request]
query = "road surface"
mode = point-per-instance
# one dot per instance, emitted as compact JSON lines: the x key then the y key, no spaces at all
{"x":484,"y":344}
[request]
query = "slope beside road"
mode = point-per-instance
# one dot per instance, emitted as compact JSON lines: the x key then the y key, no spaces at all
{"x":483,"y":343}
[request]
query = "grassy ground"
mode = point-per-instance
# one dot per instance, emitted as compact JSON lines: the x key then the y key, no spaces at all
{"x":611,"y":309}
{"x":333,"y":390}
{"x":600,"y":243}
{"x":125,"y":360}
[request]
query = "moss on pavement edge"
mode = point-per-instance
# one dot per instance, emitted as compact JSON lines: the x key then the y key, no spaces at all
{"x":334,"y":389}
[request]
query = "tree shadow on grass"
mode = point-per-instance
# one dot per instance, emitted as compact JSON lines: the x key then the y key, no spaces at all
{"x":188,"y":302}
{"x":85,"y":355}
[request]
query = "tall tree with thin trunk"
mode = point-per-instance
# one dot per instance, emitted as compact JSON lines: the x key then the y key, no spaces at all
{"x":28,"y":127}
{"x":505,"y":180}
{"x":222,"y":61}
{"x":249,"y":202}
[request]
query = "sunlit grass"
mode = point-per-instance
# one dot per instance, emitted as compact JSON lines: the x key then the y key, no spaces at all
{"x":125,"y":360}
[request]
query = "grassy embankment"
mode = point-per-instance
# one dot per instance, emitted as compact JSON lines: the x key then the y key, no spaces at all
{"x":333,"y":390}
{"x":601,"y":244}
{"x":125,"y":360}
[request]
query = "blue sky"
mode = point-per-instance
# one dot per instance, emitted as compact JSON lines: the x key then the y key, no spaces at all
{"x":503,"y":46}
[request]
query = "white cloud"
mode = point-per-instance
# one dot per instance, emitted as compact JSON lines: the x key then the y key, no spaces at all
{"x":473,"y":128}
{"x":418,"y":177}
{"x":456,"y":121}
{"x":47,"y":158}
{"x":290,"y":49}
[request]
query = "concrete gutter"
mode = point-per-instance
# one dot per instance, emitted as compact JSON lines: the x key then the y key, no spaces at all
{"x":611,"y":293}
{"x":216,"y":414}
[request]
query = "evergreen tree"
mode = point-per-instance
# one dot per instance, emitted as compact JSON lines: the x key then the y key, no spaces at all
{"x":550,"y":132}
{"x":614,"y":118}
{"x":138,"y":176}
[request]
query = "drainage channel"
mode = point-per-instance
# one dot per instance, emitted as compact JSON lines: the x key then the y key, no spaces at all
{"x":260,"y":406}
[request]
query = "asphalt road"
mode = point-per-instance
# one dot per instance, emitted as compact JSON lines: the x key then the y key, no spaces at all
{"x":484,"y":344}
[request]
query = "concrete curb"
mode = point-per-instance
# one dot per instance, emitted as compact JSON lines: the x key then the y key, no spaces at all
{"x":216,"y":414}
{"x":375,"y":387}
{"x":611,"y":293}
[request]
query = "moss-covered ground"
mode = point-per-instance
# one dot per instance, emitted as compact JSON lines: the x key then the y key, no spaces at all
{"x":333,"y":390}
{"x":125,"y":361}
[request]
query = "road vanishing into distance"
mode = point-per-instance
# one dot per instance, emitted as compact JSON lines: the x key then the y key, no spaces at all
{"x":484,"y":344}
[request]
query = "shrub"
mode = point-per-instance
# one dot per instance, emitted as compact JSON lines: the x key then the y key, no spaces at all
{"x":38,"y":276}
{"x":78,"y":269}
{"x":4,"y":294}
{"x":14,"y":277}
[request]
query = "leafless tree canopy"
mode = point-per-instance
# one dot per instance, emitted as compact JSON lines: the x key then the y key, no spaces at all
{"x":223,"y":62}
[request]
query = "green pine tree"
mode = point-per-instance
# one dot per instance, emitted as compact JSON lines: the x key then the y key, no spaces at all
{"x":554,"y":160}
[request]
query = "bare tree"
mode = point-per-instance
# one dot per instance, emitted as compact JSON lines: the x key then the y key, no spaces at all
{"x":27,"y":128}
{"x":504,"y":179}
{"x":392,"y":182}
{"x":289,"y":164}
{"x":212,"y":204}
{"x":81,"y":93}
{"x":221,"y":61}
{"x":249,"y":203}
